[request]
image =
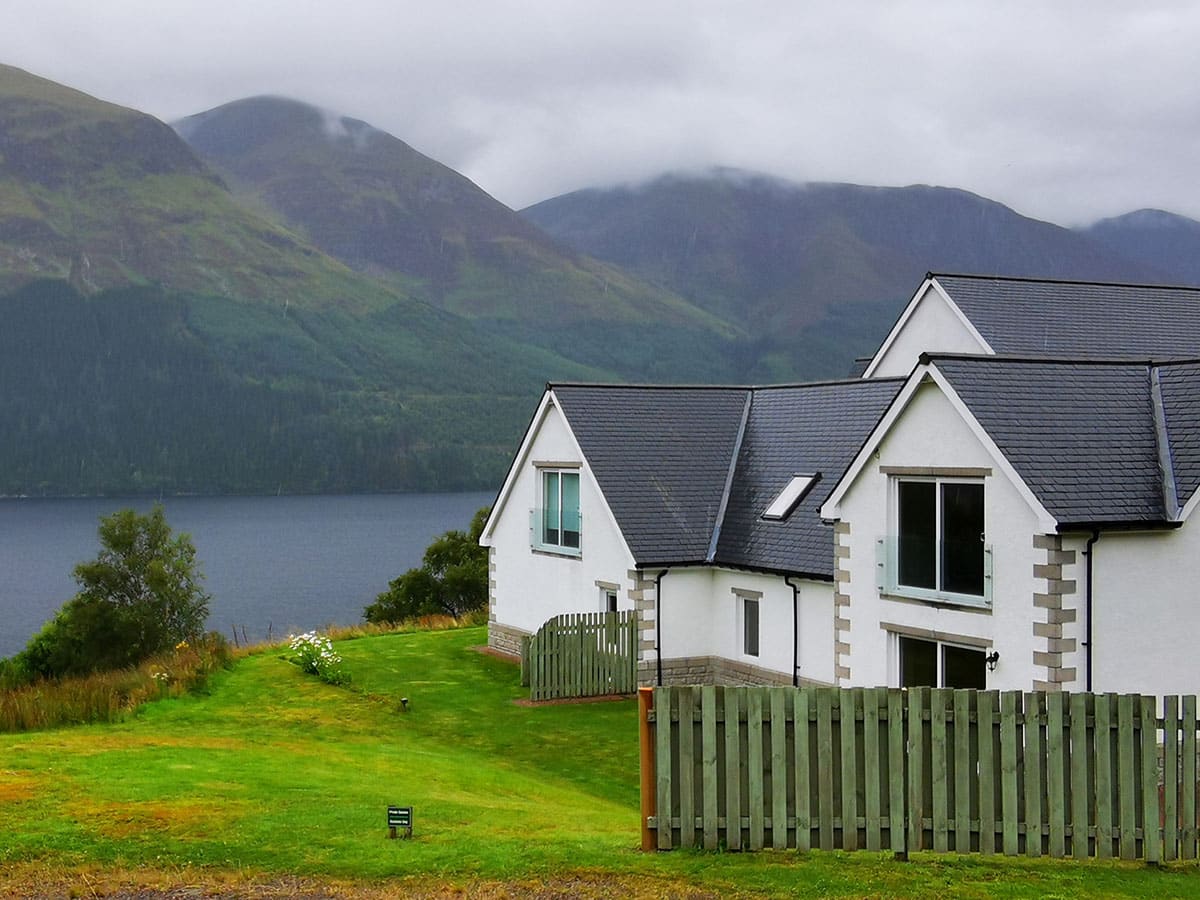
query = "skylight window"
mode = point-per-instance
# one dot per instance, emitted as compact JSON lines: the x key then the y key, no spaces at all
{"x":795,"y":491}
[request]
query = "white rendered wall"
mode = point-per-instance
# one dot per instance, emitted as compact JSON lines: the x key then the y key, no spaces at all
{"x":930,"y":433}
{"x":532,"y":587}
{"x":932,"y":327}
{"x":699,"y":617}
{"x":1146,"y":612}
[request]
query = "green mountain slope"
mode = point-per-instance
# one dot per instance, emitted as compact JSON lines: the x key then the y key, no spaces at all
{"x":159,"y":335}
{"x":813,"y":273}
{"x":107,"y":196}
{"x":383,"y":208}
{"x":140,"y":390}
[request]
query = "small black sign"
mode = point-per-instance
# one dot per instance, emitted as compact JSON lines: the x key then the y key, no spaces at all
{"x":400,"y":817}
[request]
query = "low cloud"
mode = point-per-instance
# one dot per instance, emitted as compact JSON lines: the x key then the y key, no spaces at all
{"x":1067,"y":111}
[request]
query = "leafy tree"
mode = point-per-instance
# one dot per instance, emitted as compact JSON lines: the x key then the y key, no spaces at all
{"x":452,"y":579}
{"x":140,"y":596}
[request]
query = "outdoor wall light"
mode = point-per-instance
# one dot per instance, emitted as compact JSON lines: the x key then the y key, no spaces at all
{"x":992,"y":659}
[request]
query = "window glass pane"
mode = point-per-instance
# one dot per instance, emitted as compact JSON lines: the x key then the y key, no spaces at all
{"x":963,"y":667}
{"x":570,"y":509}
{"x":750,"y":627}
{"x":918,"y":663}
{"x":550,"y":507}
{"x":917,"y":533}
{"x":962,"y":538}
{"x":610,"y":601}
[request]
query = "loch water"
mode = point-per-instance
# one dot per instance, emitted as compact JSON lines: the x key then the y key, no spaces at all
{"x":274,"y":565}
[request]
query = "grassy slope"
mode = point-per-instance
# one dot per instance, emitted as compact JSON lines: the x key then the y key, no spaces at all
{"x":275,"y":773}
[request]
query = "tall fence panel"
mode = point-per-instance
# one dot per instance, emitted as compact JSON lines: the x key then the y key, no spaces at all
{"x":582,"y":655}
{"x":961,"y":771}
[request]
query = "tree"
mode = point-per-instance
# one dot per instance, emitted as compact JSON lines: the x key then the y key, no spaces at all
{"x":452,"y":579}
{"x":140,"y":596}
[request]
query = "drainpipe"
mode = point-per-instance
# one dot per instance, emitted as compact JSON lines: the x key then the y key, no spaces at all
{"x":795,"y":630}
{"x":658,"y":623}
{"x":1087,"y":634}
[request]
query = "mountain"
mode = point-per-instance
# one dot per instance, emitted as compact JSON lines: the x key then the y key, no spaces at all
{"x":160,"y":335}
{"x":106,"y":197}
{"x":813,"y":273}
{"x":1167,"y":242}
{"x":388,"y":211}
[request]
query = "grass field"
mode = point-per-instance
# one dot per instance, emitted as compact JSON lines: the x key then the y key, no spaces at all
{"x":273,"y":781}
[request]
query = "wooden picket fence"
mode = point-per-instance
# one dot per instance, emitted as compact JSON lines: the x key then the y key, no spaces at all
{"x":920,"y":769}
{"x":581,"y":655}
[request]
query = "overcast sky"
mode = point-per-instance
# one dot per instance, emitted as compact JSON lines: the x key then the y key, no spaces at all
{"x":1067,"y":110}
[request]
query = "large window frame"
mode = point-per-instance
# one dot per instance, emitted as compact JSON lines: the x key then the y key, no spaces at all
{"x":930,"y":550}
{"x":556,"y":522}
{"x":955,"y":663}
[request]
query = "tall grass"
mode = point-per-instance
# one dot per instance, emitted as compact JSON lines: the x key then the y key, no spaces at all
{"x":110,"y":696}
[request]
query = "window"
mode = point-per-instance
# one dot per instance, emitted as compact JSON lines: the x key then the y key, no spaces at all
{"x":556,"y":521}
{"x":935,"y":664}
{"x":749,"y":625}
{"x":795,"y":491}
{"x":608,"y":599}
{"x":938,"y":551}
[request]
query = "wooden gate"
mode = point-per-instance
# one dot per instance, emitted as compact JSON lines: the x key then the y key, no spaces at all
{"x":581,"y":655}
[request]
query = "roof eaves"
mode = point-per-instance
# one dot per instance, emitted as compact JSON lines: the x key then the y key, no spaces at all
{"x":733,"y":461}
{"x":1118,"y":525}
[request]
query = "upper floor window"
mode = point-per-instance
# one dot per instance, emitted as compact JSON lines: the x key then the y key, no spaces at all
{"x":937,"y":549}
{"x":556,"y":524}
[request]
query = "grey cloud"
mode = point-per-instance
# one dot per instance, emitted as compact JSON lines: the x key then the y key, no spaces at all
{"x":1067,"y":111}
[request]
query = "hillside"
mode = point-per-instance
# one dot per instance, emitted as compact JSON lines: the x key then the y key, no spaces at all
{"x":161,"y":336}
{"x":1165,"y":241}
{"x":813,"y":272}
{"x":107,"y":197}
{"x":388,"y":211}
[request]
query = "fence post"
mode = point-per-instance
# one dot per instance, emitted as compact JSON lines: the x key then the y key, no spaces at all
{"x":648,"y":773}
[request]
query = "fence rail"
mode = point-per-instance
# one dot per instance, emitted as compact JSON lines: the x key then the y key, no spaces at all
{"x":1036,"y":773}
{"x":581,"y":655}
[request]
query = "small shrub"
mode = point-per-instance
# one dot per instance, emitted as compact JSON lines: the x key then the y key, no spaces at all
{"x":314,"y":655}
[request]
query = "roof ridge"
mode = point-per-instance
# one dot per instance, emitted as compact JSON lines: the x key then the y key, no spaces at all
{"x":830,"y":382}
{"x":1056,"y":359}
{"x":1029,"y":279}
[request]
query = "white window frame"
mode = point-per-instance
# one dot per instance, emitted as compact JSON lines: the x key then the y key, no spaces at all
{"x":537,"y":528}
{"x":610,"y":596}
{"x":744,"y":599}
{"x":888,"y":552}
{"x":895,"y":653}
{"x":787,"y":499}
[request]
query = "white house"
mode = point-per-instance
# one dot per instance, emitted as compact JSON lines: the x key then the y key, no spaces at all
{"x":992,"y":517}
{"x":696,"y":506}
{"x":1025,"y":523}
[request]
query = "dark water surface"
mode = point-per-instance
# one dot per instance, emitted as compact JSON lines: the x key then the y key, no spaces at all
{"x":278,"y":563}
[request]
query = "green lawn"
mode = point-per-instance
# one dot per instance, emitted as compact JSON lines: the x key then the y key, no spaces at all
{"x":274,"y":774}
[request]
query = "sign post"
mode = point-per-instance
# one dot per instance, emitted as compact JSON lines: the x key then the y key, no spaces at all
{"x":400,"y":817}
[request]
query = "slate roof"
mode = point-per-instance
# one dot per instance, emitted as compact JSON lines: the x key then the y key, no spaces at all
{"x":1079,"y":319}
{"x":796,"y":431}
{"x":688,"y":471}
{"x":661,"y":457}
{"x":1084,"y":434}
